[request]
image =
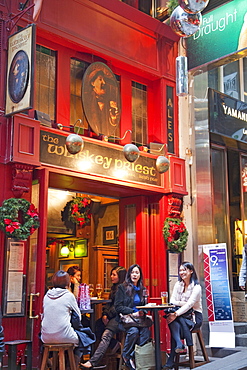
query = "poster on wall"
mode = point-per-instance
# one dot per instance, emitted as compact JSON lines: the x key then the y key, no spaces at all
{"x":20,"y":70}
{"x":222,"y":32}
{"x":218,"y":297}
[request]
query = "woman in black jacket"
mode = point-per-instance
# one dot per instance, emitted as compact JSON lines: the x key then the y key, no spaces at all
{"x":107,"y":326}
{"x":128,"y":296}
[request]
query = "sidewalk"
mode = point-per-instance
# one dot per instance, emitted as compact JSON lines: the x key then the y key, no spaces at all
{"x":225,"y":359}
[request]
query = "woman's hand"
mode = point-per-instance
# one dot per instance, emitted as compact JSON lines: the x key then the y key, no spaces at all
{"x":105,"y":320}
{"x":171,"y":317}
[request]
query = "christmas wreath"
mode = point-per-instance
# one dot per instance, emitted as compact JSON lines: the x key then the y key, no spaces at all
{"x":77,"y":211}
{"x":175,"y":235}
{"x":18,"y":218}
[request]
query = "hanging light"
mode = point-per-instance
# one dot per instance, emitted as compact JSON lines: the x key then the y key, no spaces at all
{"x":183,"y":23}
{"x":162,"y":164}
{"x":193,"y":6}
{"x":131,"y":152}
{"x":74,"y":143}
{"x":64,"y":251}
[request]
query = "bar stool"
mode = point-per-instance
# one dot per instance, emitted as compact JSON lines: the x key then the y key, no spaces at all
{"x":58,"y":351}
{"x":192,"y":363}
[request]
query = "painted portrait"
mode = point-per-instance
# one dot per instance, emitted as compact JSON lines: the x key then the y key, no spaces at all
{"x":101,"y":99}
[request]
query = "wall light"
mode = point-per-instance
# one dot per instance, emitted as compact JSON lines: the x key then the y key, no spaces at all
{"x":64,"y":251}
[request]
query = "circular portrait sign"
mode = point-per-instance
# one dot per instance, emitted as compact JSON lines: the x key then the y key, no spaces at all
{"x":101,"y":99}
{"x":18,"y":76}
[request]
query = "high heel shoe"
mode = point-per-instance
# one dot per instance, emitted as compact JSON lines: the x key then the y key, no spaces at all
{"x":130,"y":364}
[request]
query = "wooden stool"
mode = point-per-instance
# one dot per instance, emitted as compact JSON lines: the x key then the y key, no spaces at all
{"x":192,"y":363}
{"x":58,"y":351}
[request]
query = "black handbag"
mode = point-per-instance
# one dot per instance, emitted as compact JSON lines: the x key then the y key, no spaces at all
{"x":140,"y":322}
{"x":187,"y":315}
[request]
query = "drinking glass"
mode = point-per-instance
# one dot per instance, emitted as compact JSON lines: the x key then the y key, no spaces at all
{"x":164,"y":297}
{"x":91,"y":290}
{"x":99,"y":290}
{"x":145,"y":295}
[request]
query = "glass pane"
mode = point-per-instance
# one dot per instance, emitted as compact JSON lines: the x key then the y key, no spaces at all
{"x":77,"y":70}
{"x":231,"y":80}
{"x":219,"y":193}
{"x":235,"y":214}
{"x":109,"y":264}
{"x":130,"y":216}
{"x":139,"y":113}
{"x":244,"y":190}
{"x":45,"y":81}
{"x":245,"y":78}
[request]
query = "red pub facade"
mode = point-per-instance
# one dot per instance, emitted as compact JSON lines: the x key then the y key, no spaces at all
{"x":134,"y":199}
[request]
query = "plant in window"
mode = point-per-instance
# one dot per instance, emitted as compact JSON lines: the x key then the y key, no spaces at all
{"x":175,"y":235}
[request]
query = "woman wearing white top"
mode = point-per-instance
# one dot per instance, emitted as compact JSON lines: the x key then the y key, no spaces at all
{"x":186,"y":295}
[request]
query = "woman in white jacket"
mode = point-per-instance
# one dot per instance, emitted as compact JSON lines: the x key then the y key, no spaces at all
{"x":186,"y":295}
{"x":58,"y":305}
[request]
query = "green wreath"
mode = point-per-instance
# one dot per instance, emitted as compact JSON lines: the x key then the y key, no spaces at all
{"x":77,"y":211}
{"x":18,"y":218}
{"x":175,"y":235}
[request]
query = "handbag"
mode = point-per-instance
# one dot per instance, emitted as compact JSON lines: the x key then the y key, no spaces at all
{"x":140,"y":322}
{"x":187,"y":315}
{"x":145,"y":356}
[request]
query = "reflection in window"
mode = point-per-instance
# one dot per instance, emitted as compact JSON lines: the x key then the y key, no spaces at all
{"x":231,"y":79}
{"x":109,"y":264}
{"x":139,"y":113}
{"x":219,"y":193}
{"x":130,"y":217}
{"x":45,"y":81}
{"x":77,"y":69}
{"x":245,"y":78}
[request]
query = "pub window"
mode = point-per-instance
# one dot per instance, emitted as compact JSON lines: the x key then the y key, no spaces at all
{"x":77,"y":70}
{"x":139,"y":113}
{"x":45,"y":98}
{"x":130,"y":216}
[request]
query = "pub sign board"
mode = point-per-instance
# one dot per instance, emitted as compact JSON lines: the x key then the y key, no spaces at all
{"x":20,"y":71}
{"x":227,"y":115}
{"x":98,"y":160}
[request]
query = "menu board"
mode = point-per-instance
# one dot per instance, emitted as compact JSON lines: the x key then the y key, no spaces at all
{"x":14,"y":284}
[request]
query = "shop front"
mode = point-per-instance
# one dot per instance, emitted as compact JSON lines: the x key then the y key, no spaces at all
{"x":127,"y":65}
{"x":218,"y":84}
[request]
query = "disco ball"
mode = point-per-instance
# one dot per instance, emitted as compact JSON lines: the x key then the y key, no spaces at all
{"x":162,"y":164}
{"x":74,"y":143}
{"x":131,"y":152}
{"x":193,"y":6}
{"x":183,"y":23}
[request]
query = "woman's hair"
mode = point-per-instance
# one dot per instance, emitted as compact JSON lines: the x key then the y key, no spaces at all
{"x":193,"y":277}
{"x":72,"y":270}
{"x":129,"y":284}
{"x":61,"y":279}
{"x":121,"y":272}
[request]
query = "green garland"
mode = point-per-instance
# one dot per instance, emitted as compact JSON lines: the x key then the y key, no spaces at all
{"x":175,"y":235}
{"x":77,"y":211}
{"x":18,"y":218}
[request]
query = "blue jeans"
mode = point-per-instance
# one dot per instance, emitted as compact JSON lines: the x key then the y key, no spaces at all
{"x":134,"y":336}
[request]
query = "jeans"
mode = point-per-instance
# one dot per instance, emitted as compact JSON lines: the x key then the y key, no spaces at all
{"x":134,"y":336}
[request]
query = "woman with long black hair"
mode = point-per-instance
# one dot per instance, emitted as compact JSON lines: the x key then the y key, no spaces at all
{"x":128,"y":296}
{"x":186,"y":296}
{"x":107,"y":326}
